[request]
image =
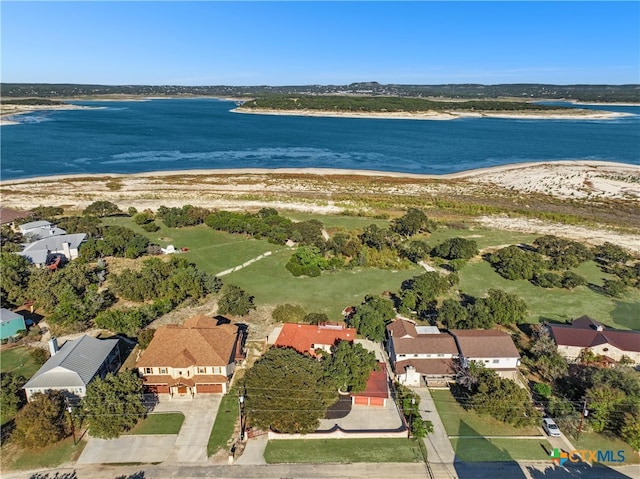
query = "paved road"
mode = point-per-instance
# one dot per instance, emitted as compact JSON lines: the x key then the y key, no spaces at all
{"x":487,"y":470}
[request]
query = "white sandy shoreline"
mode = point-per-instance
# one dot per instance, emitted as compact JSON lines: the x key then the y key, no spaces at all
{"x":467,"y":174}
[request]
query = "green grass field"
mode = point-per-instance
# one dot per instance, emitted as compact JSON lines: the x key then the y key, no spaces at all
{"x":460,"y":422}
{"x":18,"y":360}
{"x":161,"y":423}
{"x":490,"y":450}
{"x":46,"y":457}
{"x":320,"y":451}
{"x":224,"y":424}
{"x":594,"y":441}
{"x":271,"y":284}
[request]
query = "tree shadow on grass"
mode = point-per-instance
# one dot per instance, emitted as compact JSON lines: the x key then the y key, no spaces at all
{"x":577,"y":471}
{"x":626,"y":314}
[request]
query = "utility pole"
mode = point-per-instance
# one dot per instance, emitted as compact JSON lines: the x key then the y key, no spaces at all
{"x":584,"y":413}
{"x":241,"y":410}
{"x":69,"y":411}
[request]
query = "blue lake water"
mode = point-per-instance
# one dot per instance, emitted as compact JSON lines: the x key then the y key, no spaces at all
{"x":184,"y":134}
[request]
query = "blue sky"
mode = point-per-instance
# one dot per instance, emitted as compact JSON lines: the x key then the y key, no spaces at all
{"x":296,"y":43}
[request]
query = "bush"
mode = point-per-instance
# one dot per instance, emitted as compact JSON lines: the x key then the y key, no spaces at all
{"x":288,"y":313}
{"x":316,"y":318}
{"x":151,"y":227}
{"x":542,"y":390}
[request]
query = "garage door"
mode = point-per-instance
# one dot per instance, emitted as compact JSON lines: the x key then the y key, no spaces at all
{"x":377,"y":402}
{"x":157,"y":389}
{"x":361,"y":400}
{"x":209,"y":388}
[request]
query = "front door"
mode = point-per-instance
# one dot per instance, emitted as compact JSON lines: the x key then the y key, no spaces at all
{"x":182,"y":390}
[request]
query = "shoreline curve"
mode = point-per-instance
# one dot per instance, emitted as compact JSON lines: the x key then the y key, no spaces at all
{"x":461,"y":175}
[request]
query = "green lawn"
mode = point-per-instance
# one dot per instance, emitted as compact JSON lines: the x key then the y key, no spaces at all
{"x":319,"y":451}
{"x":489,"y":450}
{"x":558,"y":304}
{"x":161,"y":423}
{"x":46,"y":457}
{"x":460,"y":422}
{"x":225,"y":423}
{"x":18,"y":360}
{"x":594,"y":441}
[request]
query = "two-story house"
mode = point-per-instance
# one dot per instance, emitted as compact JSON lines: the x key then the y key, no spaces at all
{"x":493,"y":348}
{"x":194,"y":358}
{"x":418,"y":352}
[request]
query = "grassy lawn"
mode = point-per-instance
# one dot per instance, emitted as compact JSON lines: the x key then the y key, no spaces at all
{"x":224,"y":424}
{"x":46,"y":457}
{"x":161,"y":423}
{"x":487,"y":450}
{"x":18,"y":360}
{"x":460,"y":422}
{"x":320,"y":451}
{"x":595,"y":441}
{"x":558,"y":304}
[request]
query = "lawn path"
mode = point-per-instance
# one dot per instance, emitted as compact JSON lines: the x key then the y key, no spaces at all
{"x":246,"y":263}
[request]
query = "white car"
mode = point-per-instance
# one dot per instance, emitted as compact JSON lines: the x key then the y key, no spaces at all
{"x":550,"y":427}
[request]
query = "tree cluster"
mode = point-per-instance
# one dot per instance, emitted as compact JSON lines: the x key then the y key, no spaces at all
{"x":456,"y":248}
{"x":419,"y":294}
{"x":372,"y":316}
{"x":410,"y":404}
{"x":179,"y":217}
{"x":115,"y":241}
{"x":497,"y":307}
{"x":235,"y":301}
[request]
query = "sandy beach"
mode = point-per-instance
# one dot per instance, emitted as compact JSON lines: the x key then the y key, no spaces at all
{"x":449,"y":115}
{"x":10,"y":111}
{"x":332,"y":191}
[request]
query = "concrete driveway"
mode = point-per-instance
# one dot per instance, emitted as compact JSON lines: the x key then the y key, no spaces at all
{"x":189,"y":446}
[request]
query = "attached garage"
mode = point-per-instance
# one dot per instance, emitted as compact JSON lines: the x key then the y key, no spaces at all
{"x":361,"y":400}
{"x":209,"y":388}
{"x":376,"y":392}
{"x":158,"y":388}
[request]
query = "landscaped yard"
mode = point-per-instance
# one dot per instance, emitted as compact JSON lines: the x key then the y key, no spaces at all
{"x":161,"y":423}
{"x":488,"y":450}
{"x":46,"y":457}
{"x":342,"y":451}
{"x":225,"y":423}
{"x":594,"y":441}
{"x":18,"y":360}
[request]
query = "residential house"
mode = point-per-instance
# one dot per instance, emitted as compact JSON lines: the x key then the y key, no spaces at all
{"x":420,"y":352}
{"x":10,"y":323}
{"x":8,"y":216}
{"x":197,"y":357}
{"x":306,"y":338}
{"x":36,"y":230}
{"x":377,"y":391}
{"x":492,"y":348}
{"x":72,"y":367}
{"x":67,"y":245}
{"x":586,"y":333}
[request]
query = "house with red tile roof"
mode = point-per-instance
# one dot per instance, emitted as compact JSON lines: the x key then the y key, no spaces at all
{"x":586,"y":333}
{"x":377,"y":391}
{"x":420,"y":352}
{"x":197,"y":357}
{"x":306,"y":338}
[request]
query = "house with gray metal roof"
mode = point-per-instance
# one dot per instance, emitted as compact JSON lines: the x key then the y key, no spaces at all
{"x":67,"y":245}
{"x":72,"y":367}
{"x":36,"y":230}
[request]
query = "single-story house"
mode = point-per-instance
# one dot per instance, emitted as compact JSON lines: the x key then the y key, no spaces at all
{"x":194,"y":358}
{"x":587,"y":333}
{"x":8,"y":216}
{"x":377,"y":391}
{"x":493,"y":348}
{"x":306,"y":338}
{"x":73,"y":366}
{"x":36,"y":230}
{"x":39,"y":251}
{"x":10,"y":323}
{"x":420,"y":352}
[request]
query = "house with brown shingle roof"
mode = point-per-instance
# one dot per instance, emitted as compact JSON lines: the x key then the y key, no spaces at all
{"x":197,"y":357}
{"x":8,"y":216}
{"x":420,"y":352}
{"x":306,"y":338}
{"x":586,"y":333}
{"x":491,"y":347}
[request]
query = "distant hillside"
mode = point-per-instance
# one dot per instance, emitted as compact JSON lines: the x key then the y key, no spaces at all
{"x":587,"y":93}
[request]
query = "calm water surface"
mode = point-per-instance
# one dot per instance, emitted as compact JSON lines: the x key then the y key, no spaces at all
{"x":183,"y":134}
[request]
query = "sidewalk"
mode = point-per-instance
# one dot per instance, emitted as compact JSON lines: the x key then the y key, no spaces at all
{"x":440,"y":454}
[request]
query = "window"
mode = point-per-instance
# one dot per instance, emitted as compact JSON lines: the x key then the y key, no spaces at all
{"x":486,"y":360}
{"x":440,"y":355}
{"x":163,"y":370}
{"x":148,"y":370}
{"x":496,"y":361}
{"x":415,"y":355}
{"x":201,"y":370}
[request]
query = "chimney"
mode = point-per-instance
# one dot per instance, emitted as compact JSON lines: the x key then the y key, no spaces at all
{"x":53,"y":346}
{"x":66,"y":250}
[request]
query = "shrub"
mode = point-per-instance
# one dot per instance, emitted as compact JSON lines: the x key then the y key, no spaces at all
{"x":288,"y":313}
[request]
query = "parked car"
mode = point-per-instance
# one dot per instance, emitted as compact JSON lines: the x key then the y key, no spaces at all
{"x":550,"y":427}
